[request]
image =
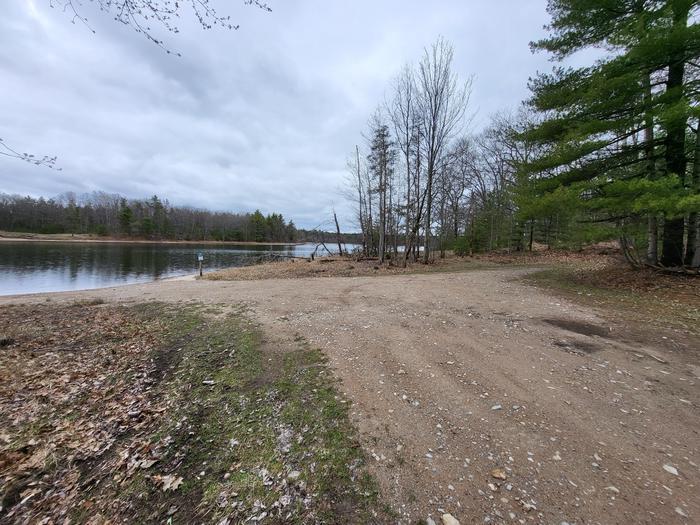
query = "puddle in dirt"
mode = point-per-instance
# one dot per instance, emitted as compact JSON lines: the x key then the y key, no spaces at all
{"x":579,"y":327}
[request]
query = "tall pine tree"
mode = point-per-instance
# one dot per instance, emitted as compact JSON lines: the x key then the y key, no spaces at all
{"x":615,"y":132}
{"x":381,"y":161}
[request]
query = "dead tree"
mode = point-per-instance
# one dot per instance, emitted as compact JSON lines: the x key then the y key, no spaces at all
{"x":337,"y":232}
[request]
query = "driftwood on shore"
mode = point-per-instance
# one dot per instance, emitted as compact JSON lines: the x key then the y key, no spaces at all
{"x":274,"y":256}
{"x":320,"y":243}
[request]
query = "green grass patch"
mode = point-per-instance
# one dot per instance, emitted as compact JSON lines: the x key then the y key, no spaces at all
{"x":252,"y":431}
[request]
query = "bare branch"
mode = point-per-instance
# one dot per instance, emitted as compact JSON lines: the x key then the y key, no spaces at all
{"x":143,"y":16}
{"x":46,"y":160}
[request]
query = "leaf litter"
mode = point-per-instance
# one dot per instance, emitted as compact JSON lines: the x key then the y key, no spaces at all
{"x":155,"y":413}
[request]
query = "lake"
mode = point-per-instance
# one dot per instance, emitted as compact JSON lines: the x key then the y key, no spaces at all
{"x":34,"y":266}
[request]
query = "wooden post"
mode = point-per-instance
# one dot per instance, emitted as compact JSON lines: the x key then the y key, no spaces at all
{"x":200,"y":258}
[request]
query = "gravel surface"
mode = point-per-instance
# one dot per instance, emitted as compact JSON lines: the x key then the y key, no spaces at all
{"x":487,"y":399}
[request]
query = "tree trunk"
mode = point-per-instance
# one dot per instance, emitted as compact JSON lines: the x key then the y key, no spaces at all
{"x":382,"y":210}
{"x":414,"y":237}
{"x":419,"y":205}
{"x":337,"y":232}
{"x":455,"y":218}
{"x":360,"y":204}
{"x":652,"y":240}
{"x":428,"y":218}
{"x":443,"y":220}
{"x":692,"y":254}
{"x":672,"y":252}
{"x":370,"y":220}
{"x":695,"y":261}
{"x":652,"y":226}
{"x":408,"y":210}
{"x":394,"y":224}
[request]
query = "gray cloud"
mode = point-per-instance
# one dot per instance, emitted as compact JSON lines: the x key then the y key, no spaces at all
{"x":263,"y":117}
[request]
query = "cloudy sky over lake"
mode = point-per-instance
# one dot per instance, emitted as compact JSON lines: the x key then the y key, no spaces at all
{"x":263,"y":117}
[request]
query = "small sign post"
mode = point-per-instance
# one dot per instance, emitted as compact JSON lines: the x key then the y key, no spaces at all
{"x":200,"y":259}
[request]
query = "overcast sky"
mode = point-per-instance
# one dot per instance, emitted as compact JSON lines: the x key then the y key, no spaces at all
{"x":263,"y":117}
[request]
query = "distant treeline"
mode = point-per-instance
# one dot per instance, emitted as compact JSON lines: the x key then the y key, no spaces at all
{"x":110,"y":214}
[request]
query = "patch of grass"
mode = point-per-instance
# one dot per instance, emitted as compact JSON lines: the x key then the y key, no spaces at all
{"x":249,"y":436}
{"x":316,"y":412}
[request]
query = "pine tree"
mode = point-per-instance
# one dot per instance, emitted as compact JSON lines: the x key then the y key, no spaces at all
{"x":615,"y":131}
{"x":126,"y":216}
{"x":381,"y":161}
{"x":259,"y":226}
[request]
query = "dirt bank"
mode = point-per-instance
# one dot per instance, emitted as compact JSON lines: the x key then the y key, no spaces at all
{"x":487,"y":398}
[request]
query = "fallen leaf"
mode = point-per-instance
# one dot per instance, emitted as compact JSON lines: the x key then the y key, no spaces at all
{"x":170,"y":482}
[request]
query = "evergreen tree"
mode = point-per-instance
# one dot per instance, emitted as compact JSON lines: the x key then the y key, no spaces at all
{"x":615,"y":131}
{"x":125,"y":217}
{"x":259,"y":226}
{"x":381,"y":161}
{"x":158,"y":216}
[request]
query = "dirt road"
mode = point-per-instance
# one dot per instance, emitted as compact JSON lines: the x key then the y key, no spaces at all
{"x":489,"y":399}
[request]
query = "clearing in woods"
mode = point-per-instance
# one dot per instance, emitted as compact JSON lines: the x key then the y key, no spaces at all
{"x":474,"y":393}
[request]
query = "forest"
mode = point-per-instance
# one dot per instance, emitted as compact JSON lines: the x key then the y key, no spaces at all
{"x":107,"y":214}
{"x":601,"y":152}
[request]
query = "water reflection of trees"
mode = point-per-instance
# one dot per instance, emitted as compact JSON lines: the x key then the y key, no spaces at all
{"x":74,"y":265}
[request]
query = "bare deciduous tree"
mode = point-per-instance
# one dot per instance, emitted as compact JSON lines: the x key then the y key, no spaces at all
{"x":442,"y":104}
{"x":402,"y":111}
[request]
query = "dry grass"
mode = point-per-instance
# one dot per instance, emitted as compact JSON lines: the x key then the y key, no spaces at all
{"x":642,"y":296}
{"x":349,"y":267}
{"x":25,"y":236}
{"x":333,"y":267}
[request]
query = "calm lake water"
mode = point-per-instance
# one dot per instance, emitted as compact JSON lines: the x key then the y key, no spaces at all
{"x":30,"y":267}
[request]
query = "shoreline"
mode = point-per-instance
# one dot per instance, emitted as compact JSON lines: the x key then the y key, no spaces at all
{"x":50,"y":293}
{"x":111,"y":240}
